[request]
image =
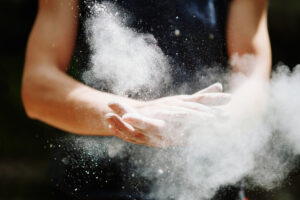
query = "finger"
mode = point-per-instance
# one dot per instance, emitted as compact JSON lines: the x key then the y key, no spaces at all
{"x":171,"y":113}
{"x":119,"y":108}
{"x":196,"y":106}
{"x":214,"y":88}
{"x":215,"y":99}
{"x":143,"y":123}
{"x":221,"y":114}
{"x":182,"y":102}
{"x":117,"y":132}
{"x":210,"y":99}
{"x":151,"y":128}
{"x":138,"y":140}
{"x":121,"y":128}
{"x":133,"y":138}
{"x":126,"y":131}
{"x":118,"y":123}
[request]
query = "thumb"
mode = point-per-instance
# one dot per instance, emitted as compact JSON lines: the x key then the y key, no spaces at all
{"x":214,"y":88}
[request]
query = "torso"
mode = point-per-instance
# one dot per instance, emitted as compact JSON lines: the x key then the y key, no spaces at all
{"x":192,"y":34}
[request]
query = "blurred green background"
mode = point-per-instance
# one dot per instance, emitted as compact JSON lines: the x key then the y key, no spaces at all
{"x":24,"y":144}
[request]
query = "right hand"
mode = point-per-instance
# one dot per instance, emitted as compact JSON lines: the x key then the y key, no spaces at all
{"x":163,"y":122}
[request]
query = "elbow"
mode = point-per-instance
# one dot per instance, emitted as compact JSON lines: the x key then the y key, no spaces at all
{"x":27,"y":104}
{"x":27,"y":100}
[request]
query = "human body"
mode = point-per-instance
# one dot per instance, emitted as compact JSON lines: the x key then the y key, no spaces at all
{"x":80,"y":109}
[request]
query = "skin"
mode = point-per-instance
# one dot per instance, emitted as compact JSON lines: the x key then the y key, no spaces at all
{"x":249,"y":35}
{"x":51,"y":96}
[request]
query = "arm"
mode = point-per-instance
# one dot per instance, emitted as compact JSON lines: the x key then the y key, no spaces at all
{"x":53,"y":97}
{"x":48,"y":93}
{"x":247,"y":35}
{"x":250,"y":54}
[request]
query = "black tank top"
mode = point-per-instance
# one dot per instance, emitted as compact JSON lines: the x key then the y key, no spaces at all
{"x":191,"y":33}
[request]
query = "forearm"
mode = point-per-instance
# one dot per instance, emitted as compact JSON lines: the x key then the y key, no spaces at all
{"x":53,"y":97}
{"x":250,"y":55}
{"x":249,"y":91}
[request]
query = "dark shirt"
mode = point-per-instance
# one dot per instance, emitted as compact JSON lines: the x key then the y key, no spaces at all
{"x":199,"y":49}
{"x":191,"y":33}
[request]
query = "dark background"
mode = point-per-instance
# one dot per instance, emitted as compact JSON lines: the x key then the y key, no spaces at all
{"x":25,"y":144}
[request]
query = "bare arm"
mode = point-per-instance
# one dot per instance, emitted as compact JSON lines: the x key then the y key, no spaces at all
{"x":48,"y":93}
{"x":247,"y":33}
{"x":250,"y":54}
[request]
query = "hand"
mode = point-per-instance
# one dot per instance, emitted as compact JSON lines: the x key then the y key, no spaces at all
{"x":162,"y":122}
